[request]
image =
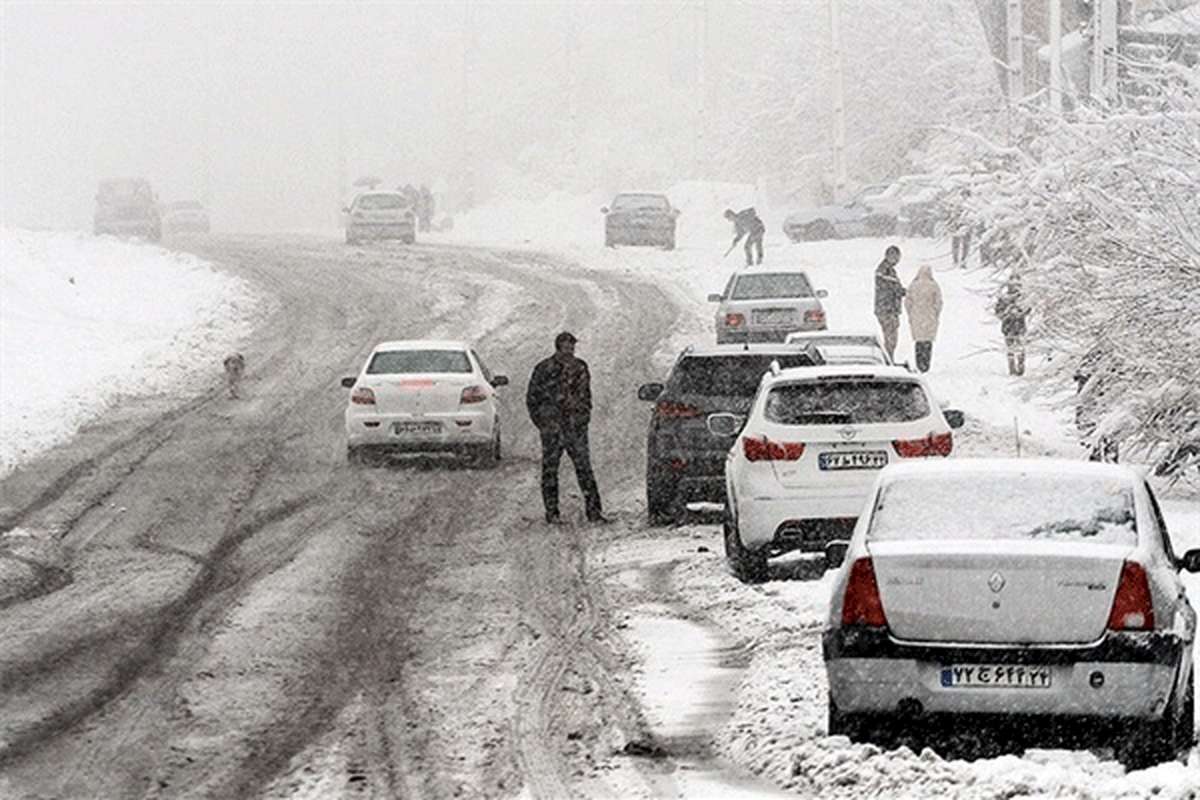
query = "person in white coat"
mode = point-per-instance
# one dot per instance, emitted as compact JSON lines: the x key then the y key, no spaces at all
{"x":923,"y":303}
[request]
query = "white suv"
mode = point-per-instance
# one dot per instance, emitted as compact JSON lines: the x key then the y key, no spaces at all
{"x":802,"y":466}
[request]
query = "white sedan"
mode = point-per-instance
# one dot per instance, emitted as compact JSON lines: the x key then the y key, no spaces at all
{"x":1027,"y":589}
{"x":422,"y":396}
{"x":801,"y":469}
{"x":844,"y":347}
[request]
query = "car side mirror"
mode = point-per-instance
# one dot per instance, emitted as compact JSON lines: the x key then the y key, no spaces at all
{"x":1191,"y":560}
{"x":715,"y":298}
{"x":954,"y":418}
{"x":348,"y":383}
{"x":822,"y":293}
{"x":650,"y":391}
{"x":835,"y":553}
{"x":499,"y":380}
{"x":604,"y":209}
{"x":724,"y":424}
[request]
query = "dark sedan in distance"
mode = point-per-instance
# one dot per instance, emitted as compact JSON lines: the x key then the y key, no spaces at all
{"x":640,"y":218}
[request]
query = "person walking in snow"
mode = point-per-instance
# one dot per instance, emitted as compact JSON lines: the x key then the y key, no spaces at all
{"x":962,"y":229}
{"x":1012,"y":311}
{"x":889,"y":292}
{"x":747,"y":224}
{"x":923,"y":304}
{"x":559,"y":401}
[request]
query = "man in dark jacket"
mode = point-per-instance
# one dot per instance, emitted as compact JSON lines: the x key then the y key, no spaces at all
{"x":1012,"y":311}
{"x":889,"y":292}
{"x":747,"y":224}
{"x":559,"y":399}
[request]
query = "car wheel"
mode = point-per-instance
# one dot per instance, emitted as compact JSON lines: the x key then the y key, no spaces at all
{"x":820,"y":230}
{"x":748,"y":566}
{"x":1147,"y":744}
{"x":354,"y":455}
{"x":669,"y":244}
{"x":410,"y":239}
{"x":661,"y":493}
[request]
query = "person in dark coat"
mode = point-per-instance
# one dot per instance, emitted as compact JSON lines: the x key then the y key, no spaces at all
{"x":559,"y":400}
{"x":889,"y":293}
{"x":747,"y":224}
{"x":1012,"y":311}
{"x":425,"y":208}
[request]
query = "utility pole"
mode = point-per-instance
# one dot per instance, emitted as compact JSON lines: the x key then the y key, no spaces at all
{"x":572,"y":53}
{"x":839,"y":101}
{"x":1015,"y":28}
{"x":468,"y":180}
{"x":1104,"y":48}
{"x":701,"y":55}
{"x":1055,"y":25}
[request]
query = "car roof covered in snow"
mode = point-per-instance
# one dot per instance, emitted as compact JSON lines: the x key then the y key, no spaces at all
{"x":422,"y":344}
{"x":934,"y":469}
{"x":847,"y":371}
{"x":767,"y":348}
{"x":862,"y":333}
{"x":761,"y":269}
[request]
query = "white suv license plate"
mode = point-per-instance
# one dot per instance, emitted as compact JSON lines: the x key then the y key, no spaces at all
{"x":408,"y":428}
{"x":867,"y":459}
{"x":996,"y":676}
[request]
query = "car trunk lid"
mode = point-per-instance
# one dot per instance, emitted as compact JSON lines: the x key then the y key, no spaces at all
{"x":418,"y":394}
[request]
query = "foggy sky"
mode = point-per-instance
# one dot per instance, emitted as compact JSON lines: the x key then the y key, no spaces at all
{"x":287,"y":103}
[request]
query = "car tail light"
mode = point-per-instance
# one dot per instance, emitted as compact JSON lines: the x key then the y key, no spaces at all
{"x":473,"y":394}
{"x":816,"y":315}
{"x":1133,"y":607}
{"x":363,"y":396}
{"x":734,"y":320}
{"x":935,"y":444}
{"x":672,"y":410}
{"x":763,"y":449}
{"x":862,"y":604}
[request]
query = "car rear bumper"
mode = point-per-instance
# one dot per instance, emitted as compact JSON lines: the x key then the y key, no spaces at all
{"x":634,"y":235}
{"x":776,"y":521}
{"x":457,"y":430}
{"x":754,"y":335}
{"x":1127,"y":675}
{"x":120,"y":227}
{"x":381,"y":230}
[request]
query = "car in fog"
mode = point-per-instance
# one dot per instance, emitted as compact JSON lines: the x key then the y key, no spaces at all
{"x":761,"y":304}
{"x":804,"y":460}
{"x":844,"y":347}
{"x":381,"y":215}
{"x":185,"y":216}
{"x":685,"y":461}
{"x":424,"y":396}
{"x":861,"y":215}
{"x":640,"y":218}
{"x":127,"y":207}
{"x":1036,"y":590}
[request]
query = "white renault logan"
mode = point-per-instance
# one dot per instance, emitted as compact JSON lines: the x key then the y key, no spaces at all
{"x":1014,"y":588}
{"x":800,"y":471}
{"x":422,"y":396}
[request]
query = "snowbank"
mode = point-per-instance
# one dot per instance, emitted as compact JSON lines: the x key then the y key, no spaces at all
{"x":86,"y":322}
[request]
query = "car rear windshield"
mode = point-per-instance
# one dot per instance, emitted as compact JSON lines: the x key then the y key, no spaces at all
{"x":771,"y":285}
{"x":380,"y":202}
{"x":1004,"y":506}
{"x":398,"y":362}
{"x":846,"y":401}
{"x":626,"y":202}
{"x":728,"y":376}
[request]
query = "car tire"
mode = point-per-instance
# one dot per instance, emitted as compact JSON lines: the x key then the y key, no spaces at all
{"x":819,"y":231}
{"x":487,"y":456}
{"x":749,"y":566}
{"x":661,"y":494}
{"x":410,"y":239}
{"x":669,"y":244}
{"x":1147,"y":744}
{"x":354,"y":455}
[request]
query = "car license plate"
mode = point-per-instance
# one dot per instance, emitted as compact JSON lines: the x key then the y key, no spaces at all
{"x":866,"y":459}
{"x":774,"y":316}
{"x":994,"y":676}
{"x":408,"y":428}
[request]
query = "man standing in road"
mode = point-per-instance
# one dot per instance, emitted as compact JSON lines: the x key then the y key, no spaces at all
{"x":746,"y":223}
{"x":559,"y":399}
{"x":889,"y":293}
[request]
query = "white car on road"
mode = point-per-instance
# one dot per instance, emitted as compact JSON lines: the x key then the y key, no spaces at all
{"x":843,"y":347}
{"x":802,"y":466}
{"x":1014,"y":588}
{"x":765,"y":305}
{"x":423,"y":396}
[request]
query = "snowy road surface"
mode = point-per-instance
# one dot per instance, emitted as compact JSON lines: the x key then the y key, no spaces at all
{"x":225,"y":608}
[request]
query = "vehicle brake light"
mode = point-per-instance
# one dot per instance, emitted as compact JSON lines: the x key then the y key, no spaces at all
{"x":815,"y":315}
{"x":363,"y":396}
{"x":862,"y":604}
{"x":734,"y":320}
{"x":669,"y":409}
{"x":763,"y":449}
{"x":1133,"y":607}
{"x":473,"y":394}
{"x":935,"y":444}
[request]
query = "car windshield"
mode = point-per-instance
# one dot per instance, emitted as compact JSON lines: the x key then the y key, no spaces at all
{"x":399,"y":362}
{"x":379,"y":202}
{"x":845,"y":402}
{"x":1004,"y":506}
{"x":728,"y":376}
{"x":628,"y":202}
{"x":770,"y":285}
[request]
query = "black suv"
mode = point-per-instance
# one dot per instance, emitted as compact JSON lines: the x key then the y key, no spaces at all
{"x":685,"y":462}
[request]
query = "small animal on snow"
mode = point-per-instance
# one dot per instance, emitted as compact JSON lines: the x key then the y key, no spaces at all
{"x":235,"y":365}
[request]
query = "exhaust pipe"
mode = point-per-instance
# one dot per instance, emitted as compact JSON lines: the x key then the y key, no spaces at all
{"x":910,"y":707}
